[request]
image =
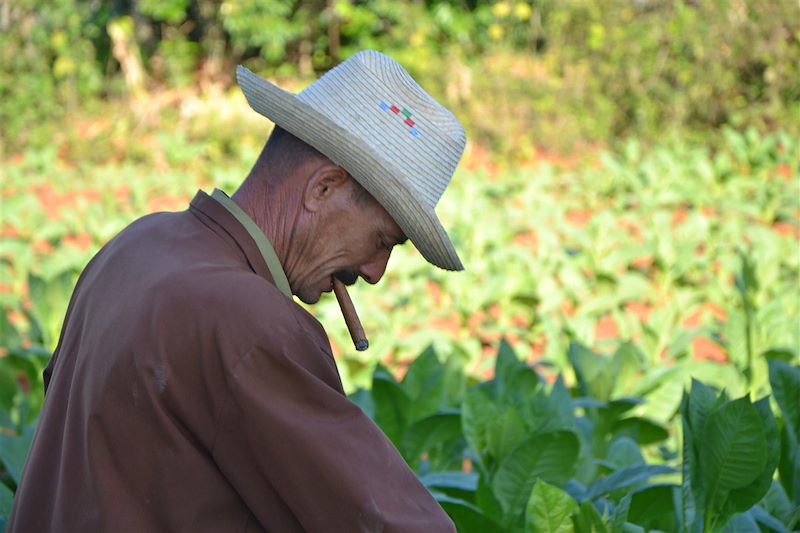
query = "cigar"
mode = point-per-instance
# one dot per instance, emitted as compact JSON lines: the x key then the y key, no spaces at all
{"x":350,"y":316}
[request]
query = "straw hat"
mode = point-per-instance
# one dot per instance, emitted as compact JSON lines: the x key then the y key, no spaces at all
{"x":370,"y":117}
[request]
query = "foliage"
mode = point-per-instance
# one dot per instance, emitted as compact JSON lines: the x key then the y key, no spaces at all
{"x":615,"y":283}
{"x":518,"y":73}
{"x":47,"y":61}
{"x":731,"y":451}
{"x":643,"y":244}
{"x":532,"y":456}
{"x":616,"y":277}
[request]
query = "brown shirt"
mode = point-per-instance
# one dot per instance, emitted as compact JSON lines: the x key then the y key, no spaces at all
{"x":188,"y":393}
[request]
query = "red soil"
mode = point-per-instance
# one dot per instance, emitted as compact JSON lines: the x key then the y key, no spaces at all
{"x":166,"y":203}
{"x":579,"y":218}
{"x":679,"y":216}
{"x":786,"y":229}
{"x":707,"y":350}
{"x":644,"y":262}
{"x":81,"y":242}
{"x":606,"y":328}
{"x":695,"y":319}
{"x":639,"y":310}
{"x":527,"y":240}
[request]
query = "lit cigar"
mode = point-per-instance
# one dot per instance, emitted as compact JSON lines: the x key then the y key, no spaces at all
{"x":350,"y":316}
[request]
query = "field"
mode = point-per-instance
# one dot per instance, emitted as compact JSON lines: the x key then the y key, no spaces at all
{"x":617,"y":276}
{"x":622,"y":353}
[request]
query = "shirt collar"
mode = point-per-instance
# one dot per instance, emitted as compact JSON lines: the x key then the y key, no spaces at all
{"x":264,"y":246}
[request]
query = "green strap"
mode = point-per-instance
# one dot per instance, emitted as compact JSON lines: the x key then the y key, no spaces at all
{"x":262,"y":242}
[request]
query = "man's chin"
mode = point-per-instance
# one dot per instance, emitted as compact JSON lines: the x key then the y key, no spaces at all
{"x":308,"y":296}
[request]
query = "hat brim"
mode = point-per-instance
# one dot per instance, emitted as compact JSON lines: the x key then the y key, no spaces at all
{"x":376,"y":173}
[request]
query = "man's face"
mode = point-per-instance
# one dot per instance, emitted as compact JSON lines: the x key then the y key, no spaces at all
{"x":352,"y":237}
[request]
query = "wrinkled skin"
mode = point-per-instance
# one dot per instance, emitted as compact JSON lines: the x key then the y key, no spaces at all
{"x":320,"y":227}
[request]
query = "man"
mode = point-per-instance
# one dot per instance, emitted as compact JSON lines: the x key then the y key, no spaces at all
{"x":188,"y":391}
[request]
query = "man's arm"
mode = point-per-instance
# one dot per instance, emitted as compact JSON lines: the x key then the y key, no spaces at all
{"x":286,"y":430}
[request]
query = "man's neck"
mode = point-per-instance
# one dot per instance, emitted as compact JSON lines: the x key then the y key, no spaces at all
{"x":275,"y":212}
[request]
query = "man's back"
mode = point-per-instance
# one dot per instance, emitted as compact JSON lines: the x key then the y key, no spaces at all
{"x":189,"y":393}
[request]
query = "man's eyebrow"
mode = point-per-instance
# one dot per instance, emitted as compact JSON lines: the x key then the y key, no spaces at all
{"x":392,"y":237}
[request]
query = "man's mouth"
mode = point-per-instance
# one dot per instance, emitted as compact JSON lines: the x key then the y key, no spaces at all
{"x":348,"y":277}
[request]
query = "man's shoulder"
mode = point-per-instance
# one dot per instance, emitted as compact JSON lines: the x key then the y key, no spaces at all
{"x":195,"y":278}
{"x":240,"y":302}
{"x":241,"y":312}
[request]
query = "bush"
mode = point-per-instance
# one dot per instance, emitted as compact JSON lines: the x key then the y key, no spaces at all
{"x":519,"y":73}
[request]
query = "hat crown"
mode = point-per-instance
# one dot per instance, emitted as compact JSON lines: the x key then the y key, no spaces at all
{"x":372,"y":95}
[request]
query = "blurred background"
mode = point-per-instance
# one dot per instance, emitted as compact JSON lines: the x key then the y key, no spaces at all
{"x":630,"y":180}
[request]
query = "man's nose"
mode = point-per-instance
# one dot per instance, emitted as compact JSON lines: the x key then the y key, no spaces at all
{"x":373,"y":271}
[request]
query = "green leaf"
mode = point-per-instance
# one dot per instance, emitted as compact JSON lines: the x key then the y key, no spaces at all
{"x":171,"y":11}
{"x":733,"y":451}
{"x":662,"y":402}
{"x":777,"y":503}
{"x":738,"y":523}
{"x":50,"y":299}
{"x":487,"y":501}
{"x":549,"y":510}
{"x":453,"y":383}
{"x":621,"y":514}
{"x":692,"y":500}
{"x":463,"y":481}
{"x":789,"y":465}
{"x":655,"y":508}
{"x":740,"y":500}
{"x":625,"y":478}
{"x":504,"y":433}
{"x":424,"y":385}
{"x":596,"y":374}
{"x":679,"y":345}
{"x":514,"y":380}
{"x":627,"y":362}
{"x":432,"y":431}
{"x":8,"y":386}
{"x":702,"y":400}
{"x":588,"y":520}
{"x":549,"y":456}
{"x":466,"y":517}
{"x":766,"y":520}
{"x":618,"y":407}
{"x":785,"y":382}
{"x":642,"y":431}
{"x":507,"y":364}
{"x":724,"y":377}
{"x":9,"y":337}
{"x":624,"y":452}
{"x":543,"y":412}
{"x":14,"y":450}
{"x":780,"y":354}
{"x":477,"y":412}
{"x":391,"y":406}
{"x":6,"y":502}
{"x":746,"y":280}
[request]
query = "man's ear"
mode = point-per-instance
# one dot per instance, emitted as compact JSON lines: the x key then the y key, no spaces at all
{"x":324,"y":184}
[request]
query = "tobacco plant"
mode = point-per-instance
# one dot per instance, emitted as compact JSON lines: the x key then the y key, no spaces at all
{"x":518,"y":454}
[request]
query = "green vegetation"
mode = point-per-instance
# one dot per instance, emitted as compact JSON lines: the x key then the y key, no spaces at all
{"x":517,"y":72}
{"x":616,"y":282}
{"x":518,"y":454}
{"x":621,"y":353}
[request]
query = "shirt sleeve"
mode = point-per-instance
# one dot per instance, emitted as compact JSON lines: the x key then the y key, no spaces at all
{"x":286,"y":430}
